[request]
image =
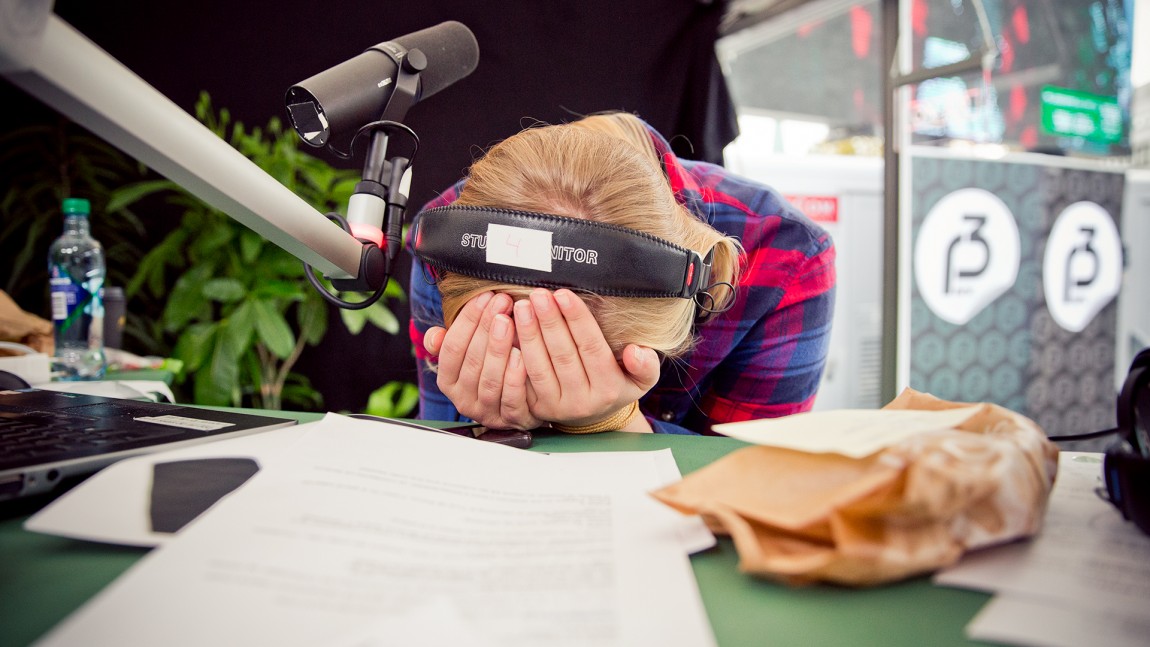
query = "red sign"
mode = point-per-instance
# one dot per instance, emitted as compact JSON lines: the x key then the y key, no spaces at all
{"x":820,"y":208}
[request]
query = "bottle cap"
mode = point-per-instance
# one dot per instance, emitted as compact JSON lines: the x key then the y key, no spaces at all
{"x":76,"y":206}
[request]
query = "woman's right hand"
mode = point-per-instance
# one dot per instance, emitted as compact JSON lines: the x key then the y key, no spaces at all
{"x":480,"y":370}
{"x":574,"y":378}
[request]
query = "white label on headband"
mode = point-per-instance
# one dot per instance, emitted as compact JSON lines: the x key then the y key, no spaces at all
{"x":519,"y":247}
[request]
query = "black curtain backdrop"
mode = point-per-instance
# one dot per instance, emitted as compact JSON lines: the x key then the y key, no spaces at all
{"x":546,"y":61}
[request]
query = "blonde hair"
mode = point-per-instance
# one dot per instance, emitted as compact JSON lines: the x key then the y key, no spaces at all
{"x":581,"y":170}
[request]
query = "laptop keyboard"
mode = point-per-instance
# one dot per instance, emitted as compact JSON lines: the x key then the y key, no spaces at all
{"x":48,"y":435}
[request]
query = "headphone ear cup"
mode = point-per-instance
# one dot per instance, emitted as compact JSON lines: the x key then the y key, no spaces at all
{"x":1128,"y":483}
{"x":1135,"y":387}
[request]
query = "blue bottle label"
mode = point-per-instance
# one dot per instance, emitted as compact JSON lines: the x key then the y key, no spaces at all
{"x":68,"y":301}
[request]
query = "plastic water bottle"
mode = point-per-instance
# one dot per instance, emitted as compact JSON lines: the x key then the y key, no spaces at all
{"x":76,"y":270}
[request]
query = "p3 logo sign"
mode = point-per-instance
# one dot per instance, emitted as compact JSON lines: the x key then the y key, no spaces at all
{"x":1082,"y":266}
{"x":966,"y":255}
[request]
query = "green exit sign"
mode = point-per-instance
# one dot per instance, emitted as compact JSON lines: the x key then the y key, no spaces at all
{"x":1072,"y":113}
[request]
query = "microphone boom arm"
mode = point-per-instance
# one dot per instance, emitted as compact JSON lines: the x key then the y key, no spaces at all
{"x":53,"y":62}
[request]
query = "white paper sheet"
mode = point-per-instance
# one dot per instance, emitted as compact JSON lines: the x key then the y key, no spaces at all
{"x":661,"y":471}
{"x":856,"y":433}
{"x":351,"y":537}
{"x":111,"y":506}
{"x":1087,"y":560}
{"x":127,"y":389}
{"x":1029,"y":620}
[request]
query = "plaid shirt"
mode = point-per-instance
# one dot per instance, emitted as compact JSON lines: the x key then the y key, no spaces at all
{"x":763,"y":358}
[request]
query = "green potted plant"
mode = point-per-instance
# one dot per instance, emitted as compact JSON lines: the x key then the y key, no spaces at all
{"x":239,"y":307}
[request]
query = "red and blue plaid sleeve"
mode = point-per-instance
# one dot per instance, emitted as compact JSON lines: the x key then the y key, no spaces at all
{"x":765,"y":356}
{"x":427,"y":311}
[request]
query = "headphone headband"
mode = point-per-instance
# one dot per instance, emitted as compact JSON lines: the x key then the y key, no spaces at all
{"x":550,"y":251}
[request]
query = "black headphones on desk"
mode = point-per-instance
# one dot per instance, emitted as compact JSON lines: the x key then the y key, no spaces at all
{"x":1127,"y":465}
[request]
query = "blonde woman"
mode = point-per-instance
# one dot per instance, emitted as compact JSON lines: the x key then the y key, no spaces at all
{"x":510,"y":355}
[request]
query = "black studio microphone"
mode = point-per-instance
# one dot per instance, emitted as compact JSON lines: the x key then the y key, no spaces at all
{"x":370,"y":94}
{"x":336,"y":103}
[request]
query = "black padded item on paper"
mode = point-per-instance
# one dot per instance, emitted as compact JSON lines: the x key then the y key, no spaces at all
{"x":183,"y":490}
{"x":601,"y":258}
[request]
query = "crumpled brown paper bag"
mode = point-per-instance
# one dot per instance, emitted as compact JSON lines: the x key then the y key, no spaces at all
{"x":909,"y":509}
{"x":24,"y":328}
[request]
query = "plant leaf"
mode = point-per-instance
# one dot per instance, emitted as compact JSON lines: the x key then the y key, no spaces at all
{"x":382,"y":318}
{"x":393,"y":400}
{"x":132,"y":193}
{"x":312,"y":317}
{"x":273,"y":329}
{"x":195,"y":344}
{"x":241,"y":324}
{"x":353,"y":320}
{"x":186,"y":302}
{"x":213,"y":236}
{"x":394,"y":290}
{"x":271,"y":289}
{"x":250,"y":245}
{"x":219,"y":385}
{"x":151,"y":268}
{"x":224,"y":290}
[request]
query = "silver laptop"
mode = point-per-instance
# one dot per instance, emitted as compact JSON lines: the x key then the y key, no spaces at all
{"x":49,"y":440}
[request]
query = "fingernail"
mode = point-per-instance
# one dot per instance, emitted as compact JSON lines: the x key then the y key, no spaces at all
{"x":499,"y":326}
{"x":563,"y":297}
{"x":482,"y":299}
{"x":430,"y":340}
{"x":541,"y":299}
{"x":523,"y":312}
{"x":501,"y":303}
{"x":515,"y":360}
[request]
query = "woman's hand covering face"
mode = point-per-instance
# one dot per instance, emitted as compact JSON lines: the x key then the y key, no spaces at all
{"x":542,"y":359}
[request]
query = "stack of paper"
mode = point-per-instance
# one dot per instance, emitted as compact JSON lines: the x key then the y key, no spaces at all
{"x":1084,"y":580}
{"x":360,"y":534}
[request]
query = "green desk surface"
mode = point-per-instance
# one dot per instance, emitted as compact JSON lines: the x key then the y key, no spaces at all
{"x":44,"y":578}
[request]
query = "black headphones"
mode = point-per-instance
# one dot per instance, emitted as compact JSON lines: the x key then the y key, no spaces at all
{"x":551,"y":251}
{"x":1127,"y":465}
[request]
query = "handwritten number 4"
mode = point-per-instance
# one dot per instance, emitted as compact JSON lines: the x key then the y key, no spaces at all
{"x":514,"y":243}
